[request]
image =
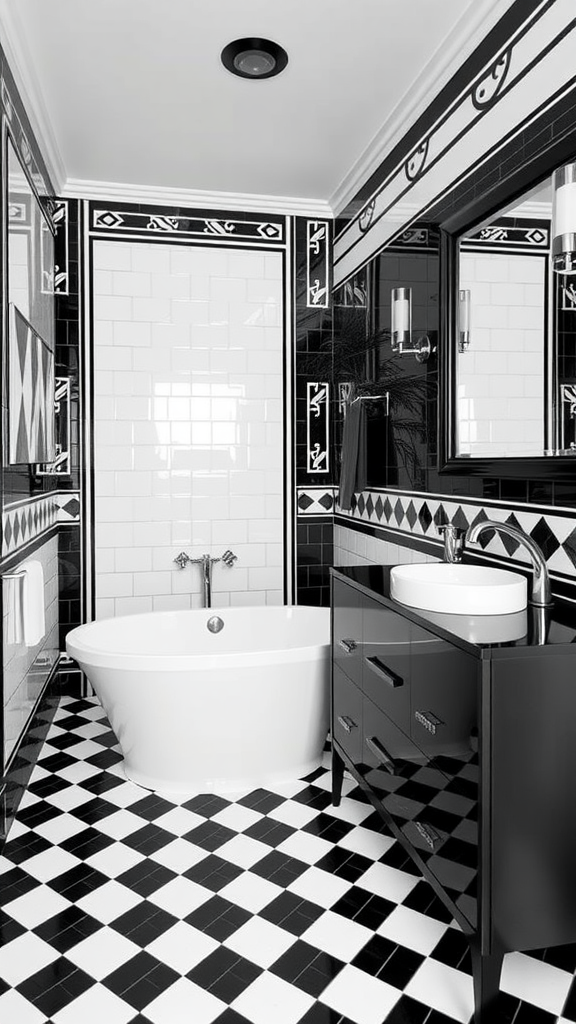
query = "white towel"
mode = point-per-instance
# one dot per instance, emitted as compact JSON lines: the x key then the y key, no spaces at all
{"x":13,"y":605}
{"x":33,"y":618}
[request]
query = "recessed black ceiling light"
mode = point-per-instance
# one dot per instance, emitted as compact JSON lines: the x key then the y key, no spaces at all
{"x":254,"y":58}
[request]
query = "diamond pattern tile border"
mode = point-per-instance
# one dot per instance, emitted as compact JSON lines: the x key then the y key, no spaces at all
{"x":27,"y":520}
{"x":420,"y":515}
{"x":314,"y":501}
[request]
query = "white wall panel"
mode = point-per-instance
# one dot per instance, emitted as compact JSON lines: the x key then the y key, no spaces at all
{"x":188,"y":432}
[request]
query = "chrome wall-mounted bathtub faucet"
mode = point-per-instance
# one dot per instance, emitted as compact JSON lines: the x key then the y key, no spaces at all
{"x":206,"y":561}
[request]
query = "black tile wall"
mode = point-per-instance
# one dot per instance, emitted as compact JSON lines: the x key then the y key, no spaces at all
{"x":313,"y":341}
{"x":313,"y":330}
{"x":70,"y":579}
{"x":315,"y":557}
{"x":68,"y":339}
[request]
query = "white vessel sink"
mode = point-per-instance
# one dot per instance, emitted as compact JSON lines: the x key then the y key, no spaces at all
{"x":483,"y":629}
{"x":459,"y":589}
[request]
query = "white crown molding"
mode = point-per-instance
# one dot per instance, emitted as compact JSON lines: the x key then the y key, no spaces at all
{"x":467,"y":34}
{"x":111,"y":191}
{"x":22,"y":67}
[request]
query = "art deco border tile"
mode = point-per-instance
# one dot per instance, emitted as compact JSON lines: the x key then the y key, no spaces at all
{"x":421,"y":514}
{"x":24,"y":521}
{"x":314,"y":501}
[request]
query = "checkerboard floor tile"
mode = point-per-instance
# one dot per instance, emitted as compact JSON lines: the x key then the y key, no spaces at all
{"x":127,"y":906}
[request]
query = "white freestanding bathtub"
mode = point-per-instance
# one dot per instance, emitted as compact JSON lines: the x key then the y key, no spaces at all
{"x":197,"y":711}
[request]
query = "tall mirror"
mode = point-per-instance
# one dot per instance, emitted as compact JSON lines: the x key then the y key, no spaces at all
{"x":509,"y":335}
{"x":29,"y":324}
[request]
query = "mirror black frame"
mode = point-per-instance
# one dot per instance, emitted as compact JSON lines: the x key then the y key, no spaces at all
{"x":486,"y":205}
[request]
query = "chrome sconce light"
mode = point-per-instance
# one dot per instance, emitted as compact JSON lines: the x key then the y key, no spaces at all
{"x":463,"y":319}
{"x":564,"y":220}
{"x":401,"y":327}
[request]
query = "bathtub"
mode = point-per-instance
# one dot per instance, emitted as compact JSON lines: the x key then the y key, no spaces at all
{"x":197,"y":711}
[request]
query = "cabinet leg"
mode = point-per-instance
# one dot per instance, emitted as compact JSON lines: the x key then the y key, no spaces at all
{"x":337,"y":777}
{"x":486,"y":971}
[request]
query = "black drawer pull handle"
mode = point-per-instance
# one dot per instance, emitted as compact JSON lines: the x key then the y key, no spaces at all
{"x":348,"y":645}
{"x":429,"y":834}
{"x":381,"y":754}
{"x":377,"y":666}
{"x":347,"y":723}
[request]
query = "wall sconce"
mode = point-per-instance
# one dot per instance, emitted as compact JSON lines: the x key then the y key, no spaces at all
{"x":464,"y":305}
{"x":564,"y":220}
{"x":401,"y":306}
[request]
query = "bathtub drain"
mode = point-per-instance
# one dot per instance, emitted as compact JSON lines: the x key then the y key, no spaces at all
{"x":215,"y":624}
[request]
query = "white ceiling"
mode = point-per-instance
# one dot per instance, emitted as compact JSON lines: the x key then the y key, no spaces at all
{"x":130,"y":97}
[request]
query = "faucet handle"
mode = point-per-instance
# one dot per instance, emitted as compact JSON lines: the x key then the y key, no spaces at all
{"x":448,"y":529}
{"x":453,"y":541}
{"x":182,"y":559}
{"x":229,"y":558}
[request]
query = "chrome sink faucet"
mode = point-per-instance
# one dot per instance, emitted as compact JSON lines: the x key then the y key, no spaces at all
{"x":541,"y":594}
{"x":453,"y":542}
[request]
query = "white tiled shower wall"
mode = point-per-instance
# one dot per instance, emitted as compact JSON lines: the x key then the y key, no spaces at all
{"x":188,"y":413}
{"x":500,"y":376}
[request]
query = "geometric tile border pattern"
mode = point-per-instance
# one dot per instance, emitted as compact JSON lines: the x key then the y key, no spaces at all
{"x":191,"y":224}
{"x":420,"y":515}
{"x":68,"y":504}
{"x":314,"y":501}
{"x":26,"y":520}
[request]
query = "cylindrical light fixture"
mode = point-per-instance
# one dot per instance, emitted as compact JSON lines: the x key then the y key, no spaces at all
{"x":463,"y":319}
{"x":401,"y":321}
{"x":564,"y":220}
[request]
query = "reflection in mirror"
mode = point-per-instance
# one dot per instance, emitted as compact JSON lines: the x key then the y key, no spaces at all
{"x":30,"y":279}
{"x":30,"y":330}
{"x":508,"y":356}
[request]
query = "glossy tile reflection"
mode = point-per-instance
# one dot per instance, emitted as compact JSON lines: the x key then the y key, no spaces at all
{"x":120,"y":903}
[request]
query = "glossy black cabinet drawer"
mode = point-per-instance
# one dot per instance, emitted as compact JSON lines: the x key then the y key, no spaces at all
{"x":443,"y":695}
{"x":347,"y":630}
{"x":386,"y":661}
{"x":434,"y":803}
{"x":392,"y":765}
{"x":347,"y":715}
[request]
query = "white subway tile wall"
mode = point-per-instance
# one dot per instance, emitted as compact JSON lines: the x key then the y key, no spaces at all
{"x":188,"y":433}
{"x":500,"y":377}
{"x":354,"y":548}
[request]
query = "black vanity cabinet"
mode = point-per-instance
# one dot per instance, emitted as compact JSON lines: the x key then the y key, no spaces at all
{"x":469,"y":754}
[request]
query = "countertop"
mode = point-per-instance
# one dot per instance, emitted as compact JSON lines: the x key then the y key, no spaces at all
{"x":536,"y":628}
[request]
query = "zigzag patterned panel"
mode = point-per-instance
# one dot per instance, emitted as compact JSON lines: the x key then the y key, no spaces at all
{"x":31,"y":432}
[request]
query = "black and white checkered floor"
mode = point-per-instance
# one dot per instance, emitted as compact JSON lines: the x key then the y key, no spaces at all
{"x":274,"y":907}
